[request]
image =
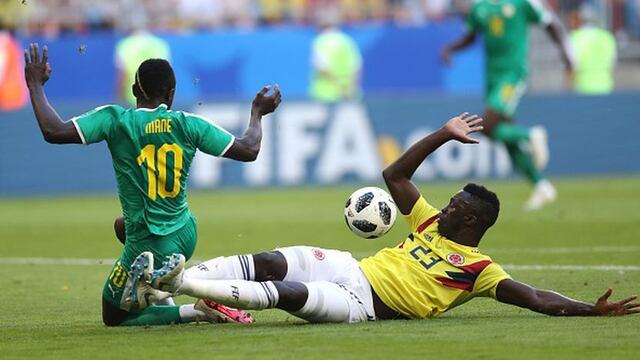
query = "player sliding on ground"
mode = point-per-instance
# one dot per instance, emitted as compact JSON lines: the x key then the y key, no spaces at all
{"x":152,"y":148}
{"x":437,"y":268}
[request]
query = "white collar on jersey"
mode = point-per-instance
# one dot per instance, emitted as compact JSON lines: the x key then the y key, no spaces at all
{"x":152,"y":110}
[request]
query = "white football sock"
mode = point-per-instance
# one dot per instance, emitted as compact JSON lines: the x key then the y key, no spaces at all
{"x":189,"y":314}
{"x":239,"y":267}
{"x":241,"y":294}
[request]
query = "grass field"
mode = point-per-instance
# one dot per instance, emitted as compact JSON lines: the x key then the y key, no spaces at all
{"x":52,"y":276}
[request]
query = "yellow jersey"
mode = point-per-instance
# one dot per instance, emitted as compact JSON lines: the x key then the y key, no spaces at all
{"x":428,"y":274}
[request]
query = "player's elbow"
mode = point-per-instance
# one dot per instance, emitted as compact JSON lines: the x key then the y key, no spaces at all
{"x":253,"y":155}
{"x":240,"y":151}
{"x":50,"y":137}
{"x":249,"y":155}
{"x":389,"y":174}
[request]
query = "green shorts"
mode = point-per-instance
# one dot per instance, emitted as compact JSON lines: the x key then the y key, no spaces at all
{"x":504,"y":91}
{"x":117,"y":287}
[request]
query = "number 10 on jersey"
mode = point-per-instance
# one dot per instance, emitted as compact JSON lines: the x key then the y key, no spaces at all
{"x":157,"y":169}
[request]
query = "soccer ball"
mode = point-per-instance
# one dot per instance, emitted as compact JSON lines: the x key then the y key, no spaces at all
{"x":370,"y":212}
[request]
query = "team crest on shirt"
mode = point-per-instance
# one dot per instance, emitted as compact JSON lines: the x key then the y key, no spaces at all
{"x":319,"y":254}
{"x":508,"y":10}
{"x":455,"y":259}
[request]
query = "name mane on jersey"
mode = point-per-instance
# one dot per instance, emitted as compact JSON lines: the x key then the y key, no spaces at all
{"x":158,"y":126}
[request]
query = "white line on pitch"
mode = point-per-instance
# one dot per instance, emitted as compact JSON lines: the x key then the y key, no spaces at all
{"x":54,"y":261}
{"x":109,"y":262}
{"x":564,"y":250}
{"x":534,"y":267}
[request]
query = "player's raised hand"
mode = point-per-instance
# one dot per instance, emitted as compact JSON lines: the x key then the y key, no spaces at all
{"x":623,"y":307}
{"x":37,"y":70}
{"x":266,"y":104}
{"x":462,"y":125}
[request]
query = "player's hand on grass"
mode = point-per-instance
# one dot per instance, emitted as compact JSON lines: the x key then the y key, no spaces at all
{"x":265,"y":104}
{"x":461,"y":126}
{"x":623,"y":307}
{"x":36,"y":69}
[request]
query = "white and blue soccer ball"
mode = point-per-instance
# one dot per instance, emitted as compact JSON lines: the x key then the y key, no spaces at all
{"x":370,"y":212}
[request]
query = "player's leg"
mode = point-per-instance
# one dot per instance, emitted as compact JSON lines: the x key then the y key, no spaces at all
{"x":117,"y":310}
{"x":263,"y":266}
{"x":503,"y":97}
{"x":119,"y":229}
{"x":319,"y":301}
{"x":296,"y":263}
{"x":159,"y":308}
{"x":315,"y":301}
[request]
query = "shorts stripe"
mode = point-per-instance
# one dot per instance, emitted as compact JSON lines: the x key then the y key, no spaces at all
{"x":245,"y":276}
{"x":270,"y":295}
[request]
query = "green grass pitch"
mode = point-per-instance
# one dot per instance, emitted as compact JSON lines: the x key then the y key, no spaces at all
{"x":52,"y":310}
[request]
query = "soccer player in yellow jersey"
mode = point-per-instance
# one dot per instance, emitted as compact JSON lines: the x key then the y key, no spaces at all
{"x":436,"y":268}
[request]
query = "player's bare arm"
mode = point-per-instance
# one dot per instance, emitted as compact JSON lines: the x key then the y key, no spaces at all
{"x":248,"y":147}
{"x":551,"y":303}
{"x":559,"y":37}
{"x":463,"y":42}
{"x":37,"y":71}
{"x":398,"y":175}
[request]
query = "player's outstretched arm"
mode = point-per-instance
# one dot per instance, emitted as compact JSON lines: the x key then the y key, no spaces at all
{"x":398,"y":175}
{"x":551,"y":303}
{"x":248,"y":147}
{"x":559,"y":37}
{"x":463,"y":42}
{"x":36,"y":72}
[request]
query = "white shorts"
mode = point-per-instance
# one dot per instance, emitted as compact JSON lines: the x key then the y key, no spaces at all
{"x":338,"y":290}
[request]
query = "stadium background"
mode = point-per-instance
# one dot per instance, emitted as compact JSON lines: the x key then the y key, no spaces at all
{"x":243,"y":45}
{"x":57,"y":202}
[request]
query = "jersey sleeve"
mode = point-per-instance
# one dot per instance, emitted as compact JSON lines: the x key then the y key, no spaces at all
{"x":208,"y":137}
{"x":95,"y":125}
{"x":537,"y":13}
{"x":488,"y":280}
{"x":421,"y":212}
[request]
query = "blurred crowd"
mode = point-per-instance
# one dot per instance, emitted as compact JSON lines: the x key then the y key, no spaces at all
{"x":53,"y":17}
{"x":58,"y":16}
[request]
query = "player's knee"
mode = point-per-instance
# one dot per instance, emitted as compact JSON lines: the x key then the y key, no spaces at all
{"x":111,"y":315}
{"x":118,"y":227}
{"x":292,"y":295}
{"x":109,"y":321}
{"x":270,"y":266}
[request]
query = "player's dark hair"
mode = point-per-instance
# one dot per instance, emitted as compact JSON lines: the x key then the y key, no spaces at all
{"x":154,"y":79}
{"x":486,"y":202}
